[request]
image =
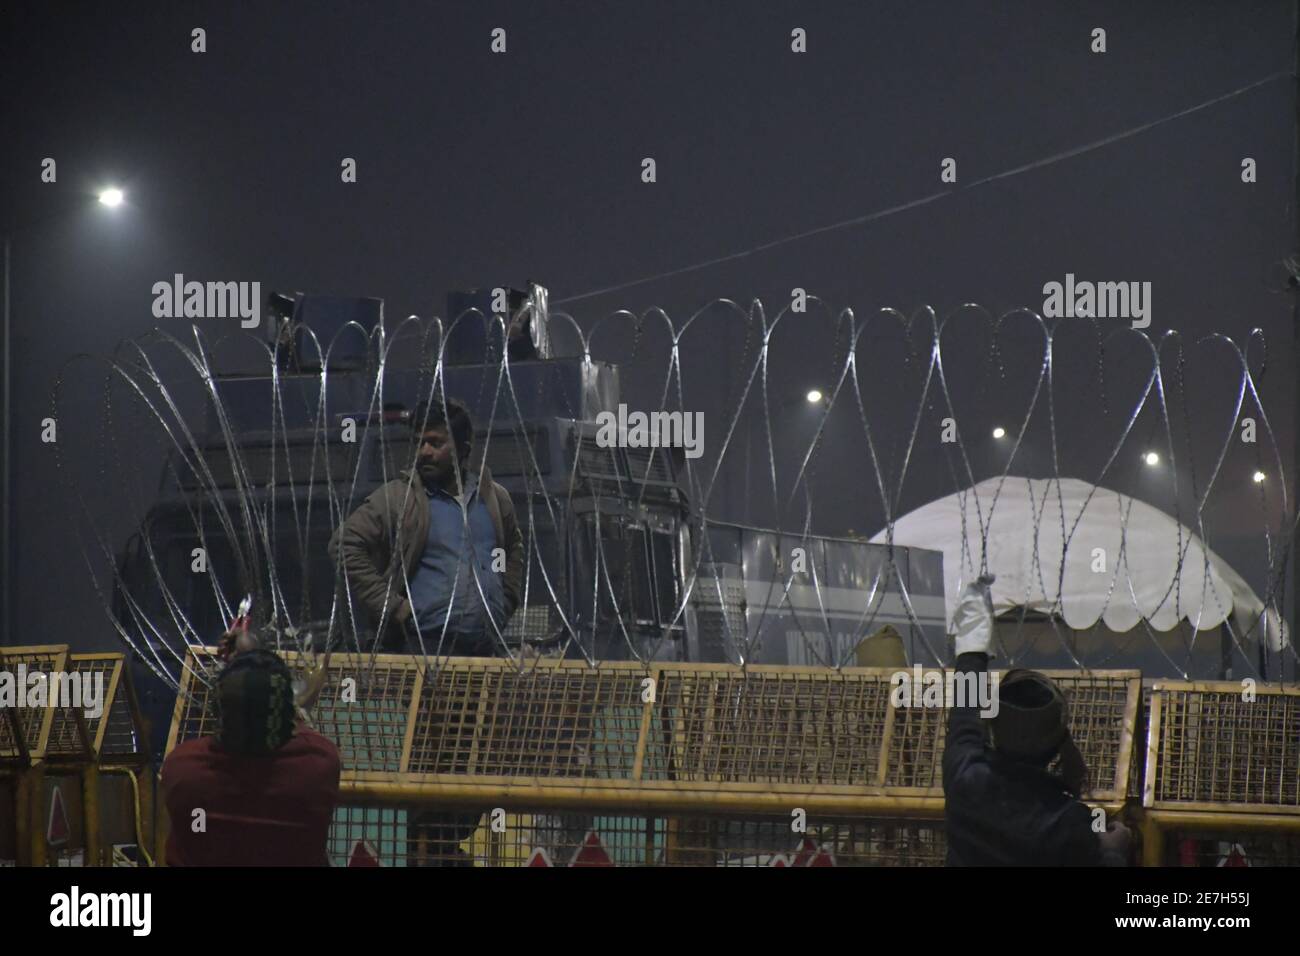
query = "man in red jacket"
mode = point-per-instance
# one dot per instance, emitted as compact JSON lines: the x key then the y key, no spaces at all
{"x":260,"y":793}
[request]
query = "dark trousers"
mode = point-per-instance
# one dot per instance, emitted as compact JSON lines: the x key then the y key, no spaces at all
{"x":433,"y":836}
{"x":451,"y":644}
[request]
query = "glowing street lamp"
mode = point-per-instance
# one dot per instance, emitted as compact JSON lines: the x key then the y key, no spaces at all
{"x":112,"y":197}
{"x":1151,"y":458}
{"x":1259,"y":476}
{"x":814,"y":396}
{"x":999,"y":432}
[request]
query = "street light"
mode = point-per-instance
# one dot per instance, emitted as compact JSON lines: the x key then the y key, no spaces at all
{"x":1259,"y":476}
{"x":814,"y":396}
{"x":112,"y":197}
{"x":1151,"y":458}
{"x":999,"y":432}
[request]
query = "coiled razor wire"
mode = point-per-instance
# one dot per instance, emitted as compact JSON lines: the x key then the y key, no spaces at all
{"x":144,"y":380}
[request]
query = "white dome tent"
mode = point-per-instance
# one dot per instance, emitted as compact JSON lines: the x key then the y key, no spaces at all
{"x":1102,"y":588}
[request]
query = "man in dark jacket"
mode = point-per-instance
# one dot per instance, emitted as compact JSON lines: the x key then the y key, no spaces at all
{"x":435,"y":558}
{"x":1002,"y":806}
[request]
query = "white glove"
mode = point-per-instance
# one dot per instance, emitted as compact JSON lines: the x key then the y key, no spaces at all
{"x":972,"y":624}
{"x":1275,"y":631}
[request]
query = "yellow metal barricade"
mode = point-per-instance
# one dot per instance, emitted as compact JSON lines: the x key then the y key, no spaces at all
{"x":1222,"y":781}
{"x":54,"y":760}
{"x":24,"y":739}
{"x":494,"y":761}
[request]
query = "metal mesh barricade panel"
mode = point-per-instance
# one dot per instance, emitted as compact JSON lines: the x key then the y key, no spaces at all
{"x":364,"y":708}
{"x":1227,"y":847}
{"x":102,"y":674}
{"x":472,"y":761}
{"x":364,"y":705}
{"x":768,"y":726}
{"x":65,"y":738}
{"x":122,"y":737}
{"x":368,"y":837}
{"x":193,"y":716}
{"x":33,"y":723}
{"x":702,"y":727}
{"x":557,"y":720}
{"x":1218,"y":747}
{"x":362,"y":837}
{"x":1103,"y":712}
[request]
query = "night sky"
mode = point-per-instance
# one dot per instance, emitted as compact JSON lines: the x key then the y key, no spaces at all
{"x":481,"y":169}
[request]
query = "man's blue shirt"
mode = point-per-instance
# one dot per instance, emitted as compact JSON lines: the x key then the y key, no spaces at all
{"x":454,"y":556}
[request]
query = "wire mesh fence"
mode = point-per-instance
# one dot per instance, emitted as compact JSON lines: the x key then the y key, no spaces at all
{"x":702,"y":728}
{"x":1219,"y":746}
{"x":477,"y":759}
{"x":540,"y":837}
{"x":1228,"y":847}
{"x":24,"y":728}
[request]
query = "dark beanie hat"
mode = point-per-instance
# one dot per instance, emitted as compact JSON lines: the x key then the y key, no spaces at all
{"x":1032,"y":724}
{"x":1032,"y":715}
{"x":254,"y":697}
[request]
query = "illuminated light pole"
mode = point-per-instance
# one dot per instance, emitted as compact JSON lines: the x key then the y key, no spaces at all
{"x":111,"y":197}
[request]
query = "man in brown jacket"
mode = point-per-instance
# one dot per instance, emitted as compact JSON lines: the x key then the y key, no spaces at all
{"x":435,"y":558}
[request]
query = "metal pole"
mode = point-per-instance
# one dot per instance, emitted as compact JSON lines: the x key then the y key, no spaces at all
{"x":6,"y":452}
{"x":1294,"y":557}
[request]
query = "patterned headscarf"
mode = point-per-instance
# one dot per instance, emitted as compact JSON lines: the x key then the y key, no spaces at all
{"x":255,"y":703}
{"x":1033,"y":725}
